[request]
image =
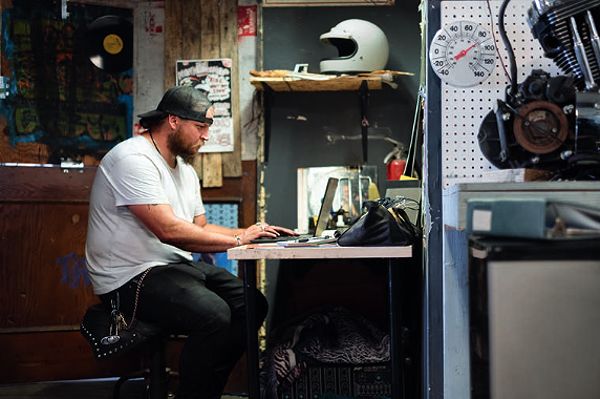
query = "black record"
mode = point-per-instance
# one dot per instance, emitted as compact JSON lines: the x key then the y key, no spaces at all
{"x":109,"y":43}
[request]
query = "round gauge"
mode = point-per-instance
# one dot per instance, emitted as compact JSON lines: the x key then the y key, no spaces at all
{"x":463,"y":53}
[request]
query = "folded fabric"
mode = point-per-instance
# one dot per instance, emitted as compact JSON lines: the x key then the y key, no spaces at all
{"x":330,"y":335}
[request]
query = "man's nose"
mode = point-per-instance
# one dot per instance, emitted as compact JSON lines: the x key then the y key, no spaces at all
{"x":204,"y":134}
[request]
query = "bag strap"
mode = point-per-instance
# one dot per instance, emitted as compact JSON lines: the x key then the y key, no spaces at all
{"x":392,"y":212}
{"x":402,"y":219}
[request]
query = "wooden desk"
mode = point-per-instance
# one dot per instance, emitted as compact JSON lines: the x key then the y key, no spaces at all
{"x":249,"y":254}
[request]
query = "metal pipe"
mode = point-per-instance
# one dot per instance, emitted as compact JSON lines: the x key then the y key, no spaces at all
{"x":581,"y":57}
{"x":594,"y":35}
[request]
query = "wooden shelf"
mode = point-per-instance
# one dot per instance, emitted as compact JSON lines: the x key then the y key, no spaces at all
{"x":341,"y":83}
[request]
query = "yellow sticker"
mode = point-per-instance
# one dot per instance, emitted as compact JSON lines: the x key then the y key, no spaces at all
{"x":113,"y":44}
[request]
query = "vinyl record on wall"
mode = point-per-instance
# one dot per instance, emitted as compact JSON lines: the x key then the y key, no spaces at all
{"x":109,"y":43}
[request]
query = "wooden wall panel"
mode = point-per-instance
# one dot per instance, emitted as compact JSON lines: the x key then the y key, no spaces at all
{"x":212,"y":170}
{"x":56,"y":355}
{"x":210,"y":24}
{"x":192,"y":39}
{"x":206,"y":30}
{"x":44,"y":288}
{"x":41,"y":184}
{"x":43,"y":223}
{"x":173,"y":38}
{"x":210,"y":29}
{"x":232,"y":161}
{"x":43,"y":281}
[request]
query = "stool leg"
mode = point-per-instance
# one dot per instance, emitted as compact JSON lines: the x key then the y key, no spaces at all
{"x":157,"y":386}
{"x":117,"y":387}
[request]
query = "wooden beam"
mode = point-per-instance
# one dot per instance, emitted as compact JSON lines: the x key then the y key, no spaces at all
{"x":212,"y":170}
{"x":191,"y":20}
{"x":45,"y":184}
{"x":210,"y":36}
{"x":173,"y":38}
{"x":232,"y":161}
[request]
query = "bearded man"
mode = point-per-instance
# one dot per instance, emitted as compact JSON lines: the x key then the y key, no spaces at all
{"x":146,"y":219}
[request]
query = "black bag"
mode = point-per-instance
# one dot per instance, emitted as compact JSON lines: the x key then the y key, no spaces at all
{"x":383,"y":223}
{"x":98,"y":328}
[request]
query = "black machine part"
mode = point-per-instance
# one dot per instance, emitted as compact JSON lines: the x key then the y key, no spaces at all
{"x":533,"y":128}
{"x":546,"y":122}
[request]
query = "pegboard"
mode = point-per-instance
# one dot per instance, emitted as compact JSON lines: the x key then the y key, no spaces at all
{"x":222,"y":214}
{"x":463,"y":109}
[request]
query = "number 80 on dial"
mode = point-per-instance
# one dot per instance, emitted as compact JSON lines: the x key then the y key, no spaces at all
{"x":463,"y":53}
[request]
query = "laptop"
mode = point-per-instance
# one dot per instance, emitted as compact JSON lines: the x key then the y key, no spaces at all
{"x":322,"y":218}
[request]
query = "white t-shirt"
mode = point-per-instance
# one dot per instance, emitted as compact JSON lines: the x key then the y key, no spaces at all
{"x":118,"y":245}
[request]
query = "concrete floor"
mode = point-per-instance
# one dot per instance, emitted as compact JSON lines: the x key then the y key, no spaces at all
{"x":80,"y":389}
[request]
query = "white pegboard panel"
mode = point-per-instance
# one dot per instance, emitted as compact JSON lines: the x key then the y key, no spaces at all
{"x":463,"y":109}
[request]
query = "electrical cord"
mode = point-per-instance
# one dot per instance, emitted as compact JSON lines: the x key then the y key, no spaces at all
{"x":509,"y":49}
{"x":506,"y":74}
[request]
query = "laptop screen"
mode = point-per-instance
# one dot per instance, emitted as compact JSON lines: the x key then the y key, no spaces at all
{"x":326,"y":206}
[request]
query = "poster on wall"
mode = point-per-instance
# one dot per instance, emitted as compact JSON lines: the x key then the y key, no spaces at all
{"x":213,"y":77}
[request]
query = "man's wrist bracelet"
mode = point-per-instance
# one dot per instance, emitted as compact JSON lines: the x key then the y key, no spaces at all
{"x":238,"y":240}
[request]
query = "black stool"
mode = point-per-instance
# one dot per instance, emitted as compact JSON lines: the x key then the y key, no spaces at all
{"x":146,"y":339}
{"x":155,"y":371}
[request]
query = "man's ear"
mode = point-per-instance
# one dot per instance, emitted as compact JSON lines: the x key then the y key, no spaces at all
{"x":172,"y":119}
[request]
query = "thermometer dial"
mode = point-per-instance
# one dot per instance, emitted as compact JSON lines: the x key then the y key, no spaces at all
{"x":463,"y":53}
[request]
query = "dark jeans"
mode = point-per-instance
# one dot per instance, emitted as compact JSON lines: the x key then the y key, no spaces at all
{"x":204,"y":302}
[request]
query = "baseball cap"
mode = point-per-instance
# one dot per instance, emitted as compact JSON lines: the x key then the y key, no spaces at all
{"x":184,"y":101}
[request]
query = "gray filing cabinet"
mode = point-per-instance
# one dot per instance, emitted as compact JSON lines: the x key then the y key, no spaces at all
{"x":455,"y":260}
{"x":534,"y":318}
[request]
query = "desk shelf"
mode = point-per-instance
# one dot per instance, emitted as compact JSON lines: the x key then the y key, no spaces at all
{"x":274,"y":251}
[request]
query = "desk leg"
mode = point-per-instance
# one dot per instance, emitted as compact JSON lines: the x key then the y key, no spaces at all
{"x":395,"y":331}
{"x":249,"y":270}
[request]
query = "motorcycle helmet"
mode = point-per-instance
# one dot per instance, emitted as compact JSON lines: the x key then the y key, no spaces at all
{"x":362,"y":47}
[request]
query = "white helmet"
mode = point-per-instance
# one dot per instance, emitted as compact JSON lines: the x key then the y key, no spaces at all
{"x":362,"y":47}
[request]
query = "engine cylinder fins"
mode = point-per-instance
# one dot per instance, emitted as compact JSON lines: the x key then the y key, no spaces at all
{"x":551,"y":28}
{"x":565,"y":10}
{"x":541,"y":127}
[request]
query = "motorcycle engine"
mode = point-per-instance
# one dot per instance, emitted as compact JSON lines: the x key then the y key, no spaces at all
{"x":550,"y":122}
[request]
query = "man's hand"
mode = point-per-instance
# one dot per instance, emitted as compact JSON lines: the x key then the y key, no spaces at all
{"x":264,"y":230}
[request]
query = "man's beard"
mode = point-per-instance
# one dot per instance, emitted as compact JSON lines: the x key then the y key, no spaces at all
{"x":180,"y":148}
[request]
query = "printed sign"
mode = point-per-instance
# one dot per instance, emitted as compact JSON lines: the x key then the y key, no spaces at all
{"x":246,"y":21}
{"x":214,"y":78}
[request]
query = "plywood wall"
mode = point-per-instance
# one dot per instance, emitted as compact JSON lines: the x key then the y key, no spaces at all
{"x":206,"y":30}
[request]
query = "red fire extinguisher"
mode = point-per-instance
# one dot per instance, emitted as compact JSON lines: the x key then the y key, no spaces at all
{"x":395,"y":168}
{"x":395,"y":163}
